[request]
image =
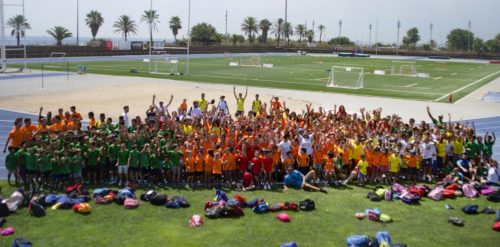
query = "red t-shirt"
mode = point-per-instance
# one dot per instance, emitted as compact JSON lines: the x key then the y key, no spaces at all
{"x":268,"y":164}
{"x":243,"y":162}
{"x":247,"y":179}
{"x":257,"y":165}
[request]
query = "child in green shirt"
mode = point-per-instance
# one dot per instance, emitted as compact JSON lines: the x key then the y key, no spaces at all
{"x":77,"y":161}
{"x":11,"y":164}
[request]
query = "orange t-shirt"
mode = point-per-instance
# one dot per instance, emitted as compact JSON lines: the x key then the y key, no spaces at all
{"x":302,"y":160}
{"x":230,"y":162}
{"x":199,"y":165}
{"x":384,"y":160}
{"x":412,"y":160}
{"x":329,"y":164}
{"x":190,"y":164}
{"x":183,"y":106}
{"x":16,"y":137}
{"x":209,"y":161}
{"x":377,"y":157}
{"x":318,"y":156}
{"x":217,"y":166}
{"x":28,"y":131}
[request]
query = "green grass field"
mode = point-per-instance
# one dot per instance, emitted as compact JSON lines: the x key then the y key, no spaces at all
{"x":310,"y":73}
{"x":329,"y":225}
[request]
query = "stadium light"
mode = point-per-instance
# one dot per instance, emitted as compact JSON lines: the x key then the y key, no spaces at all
{"x":77,"y":23}
{"x":340,"y":29}
{"x":370,"y":35}
{"x":468,"y":38}
{"x":431,"y":27}
{"x":189,"y":37}
{"x":397,"y":41}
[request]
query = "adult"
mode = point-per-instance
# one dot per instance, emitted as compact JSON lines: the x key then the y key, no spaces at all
{"x":195,"y":111}
{"x":203,"y":103}
{"x":285,"y":146}
{"x":16,"y":137}
{"x":125,"y":116}
{"x":256,"y":105}
{"x":439,"y":122}
{"x":240,"y":101}
{"x":296,"y":179}
{"x":222,"y":106}
{"x":161,"y":108}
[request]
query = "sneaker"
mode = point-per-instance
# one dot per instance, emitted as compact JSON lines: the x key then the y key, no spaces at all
{"x":448,"y":206}
{"x":323,"y":191}
{"x":456,"y":221}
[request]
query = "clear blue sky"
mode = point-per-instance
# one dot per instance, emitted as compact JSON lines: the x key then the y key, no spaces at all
{"x":355,"y":14}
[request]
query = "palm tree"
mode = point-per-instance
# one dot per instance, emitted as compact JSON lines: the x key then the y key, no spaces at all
{"x":59,"y":33}
{"x":175,"y":25}
{"x":301,"y":31}
{"x":287,"y":31}
{"x":249,"y":26}
{"x":94,"y":21}
{"x":310,"y":36}
{"x":321,"y":29}
{"x":151,"y":18}
{"x":264,"y":26}
{"x":19,"y":25}
{"x":126,"y":26}
{"x":277,"y":30}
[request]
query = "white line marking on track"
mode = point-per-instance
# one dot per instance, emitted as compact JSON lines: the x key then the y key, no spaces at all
{"x":411,"y":85}
{"x":466,"y":86}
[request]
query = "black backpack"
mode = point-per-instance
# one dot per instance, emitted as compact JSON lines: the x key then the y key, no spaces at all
{"x":213,"y":212}
{"x":307,"y":205}
{"x":373,"y":197}
{"x":147,"y":196}
{"x":470,"y":209}
{"x":494,"y":197}
{"x":4,"y":210}
{"x":36,"y":209}
{"x":183,"y":203}
{"x":120,"y":199}
{"x":159,"y":200}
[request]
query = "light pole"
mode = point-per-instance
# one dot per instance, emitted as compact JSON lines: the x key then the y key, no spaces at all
{"x":376,"y":38}
{"x":189,"y":37}
{"x":397,"y":41}
{"x":468,"y":38}
{"x":77,"y":22}
{"x":2,"y":38}
{"x":286,"y":18}
{"x":340,"y":29}
{"x":226,"y":28}
{"x":150,"y":33}
{"x":370,"y":35}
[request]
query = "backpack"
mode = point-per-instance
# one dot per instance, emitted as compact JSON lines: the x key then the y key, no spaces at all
{"x":373,"y":197}
{"x":232,"y":211}
{"x":4,"y":210}
{"x":449,"y":193}
{"x":436,"y":194}
{"x":470,"y":209}
{"x":196,"y":220}
{"x":131,"y":203}
{"x":410,"y":199}
{"x":242,"y":201}
{"x":384,"y":218}
{"x":65,"y":202}
{"x":487,"y":190}
{"x":159,"y":200}
{"x":452,"y":187}
{"x":373,"y":214}
{"x":289,"y":244}
{"x":100,"y":192}
{"x":253,"y":203}
{"x":120,"y":199}
{"x":388,"y":195}
{"x":183,"y":203}
{"x":494,"y":197}
{"x":470,"y":191}
{"x":383,"y":238}
{"x":276,"y":207}
{"x":220,"y":195}
{"x":357,"y":241}
{"x":307,"y":205}
{"x":380,"y":191}
{"x":73,"y":188}
{"x":21,"y":242}
{"x":36,"y":209}
{"x":213,"y":212}
{"x":147,"y":196}
{"x":283,"y":217}
{"x":291,"y":206}
{"x":51,"y":199}
{"x":82,"y":208}
{"x":172,"y":204}
{"x":261,"y":208}
{"x":496,"y":226}
{"x":398,"y":188}
{"x":416,"y":191}
{"x":102,"y":200}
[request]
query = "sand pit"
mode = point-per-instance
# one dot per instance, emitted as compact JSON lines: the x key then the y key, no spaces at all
{"x":108,"y":94}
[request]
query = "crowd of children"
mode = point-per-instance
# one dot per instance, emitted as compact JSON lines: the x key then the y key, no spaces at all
{"x":206,"y":145}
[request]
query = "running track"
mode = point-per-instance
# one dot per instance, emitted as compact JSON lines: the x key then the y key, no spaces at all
{"x":7,"y":118}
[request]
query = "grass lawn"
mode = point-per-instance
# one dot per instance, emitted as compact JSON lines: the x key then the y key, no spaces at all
{"x":310,"y":73}
{"x":328,"y":225}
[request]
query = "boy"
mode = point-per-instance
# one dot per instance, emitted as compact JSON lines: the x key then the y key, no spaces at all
{"x":31,"y":167}
{"x":175,"y":157}
{"x":363,"y":169}
{"x":217,"y":168}
{"x":92,"y":156}
{"x":133,"y":163}
{"x":122,"y":164}
{"x":77,"y":161}
{"x":189,"y":164}
{"x":268,"y":168}
{"x":303,"y":161}
{"x":11,"y":165}
{"x":45,"y":164}
{"x":145,"y":163}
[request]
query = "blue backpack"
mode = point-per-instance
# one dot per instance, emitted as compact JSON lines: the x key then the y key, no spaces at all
{"x":221,"y":195}
{"x":289,"y":244}
{"x":21,"y":242}
{"x":383,"y":237}
{"x":261,"y":208}
{"x":100,"y":192}
{"x":470,"y":209}
{"x":357,"y":241}
{"x":51,"y":199}
{"x":172,"y":204}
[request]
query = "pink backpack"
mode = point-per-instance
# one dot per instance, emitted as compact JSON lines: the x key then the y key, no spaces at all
{"x":131,"y":203}
{"x":436,"y":194}
{"x":195,"y":221}
{"x":487,"y":190}
{"x":8,"y":231}
{"x":283,"y":217}
{"x":469,"y":191}
{"x":388,"y":195}
{"x":398,"y":188}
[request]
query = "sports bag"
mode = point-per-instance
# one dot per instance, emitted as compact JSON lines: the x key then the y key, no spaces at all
{"x":470,"y":209}
{"x":36,"y":209}
{"x":291,"y":206}
{"x":357,"y":241}
{"x":159,"y":200}
{"x":380,"y":191}
{"x":373,"y":197}
{"x":4,"y":210}
{"x":449,"y":193}
{"x":307,"y":205}
{"x":496,"y":226}
{"x":172,"y":204}
{"x":131,"y":203}
{"x":261,"y":208}
{"x":383,"y":238}
{"x":120,"y":199}
{"x":436,"y":194}
{"x":196,"y":220}
{"x":388,"y":195}
{"x":147,"y":196}
{"x":494,"y":197}
{"x":469,"y":191}
{"x":276,"y":207}
{"x":21,"y":242}
{"x":416,"y":191}
{"x":51,"y":199}
{"x":283,"y":217}
{"x":102,"y":200}
{"x":213,"y":212}
{"x":373,"y":214}
{"x":384,"y":218}
{"x":410,"y":198}
{"x":398,"y":188}
{"x":487,"y":190}
{"x":100,"y":192}
{"x":289,"y":244}
{"x":183,"y":203}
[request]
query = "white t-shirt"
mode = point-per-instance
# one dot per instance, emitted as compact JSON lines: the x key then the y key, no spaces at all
{"x":194,"y":112}
{"x":493,"y":175}
{"x":307,"y":144}
{"x":125,"y":119}
{"x":428,"y":150}
{"x":285,"y":147}
{"x":222,"y":106}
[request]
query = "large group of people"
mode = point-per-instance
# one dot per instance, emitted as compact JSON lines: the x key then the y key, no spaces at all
{"x":206,"y":144}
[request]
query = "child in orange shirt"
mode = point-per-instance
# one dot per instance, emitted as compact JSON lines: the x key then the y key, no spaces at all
{"x":217,"y":168}
{"x":190,"y":163}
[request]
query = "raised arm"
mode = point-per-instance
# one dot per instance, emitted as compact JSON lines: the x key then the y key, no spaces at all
{"x":430,"y":114}
{"x":246,"y":93}
{"x":154,"y":98}
{"x":170,"y":101}
{"x":234,"y":92}
{"x":40,"y":113}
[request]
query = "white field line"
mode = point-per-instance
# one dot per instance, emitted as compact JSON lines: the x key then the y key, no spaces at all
{"x":221,"y":73}
{"x":466,"y":86}
{"x":411,"y":85}
{"x":395,"y":90}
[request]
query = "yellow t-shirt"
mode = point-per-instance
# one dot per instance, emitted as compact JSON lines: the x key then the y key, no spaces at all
{"x":441,"y":149}
{"x":458,"y":147}
{"x":394,"y":162}
{"x":239,"y":104}
{"x":363,"y":165}
{"x":202,"y":104}
{"x":256,"y":104}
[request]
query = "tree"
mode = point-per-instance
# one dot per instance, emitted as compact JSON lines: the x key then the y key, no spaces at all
{"x":458,"y":39}
{"x":204,"y":32}
{"x":59,"y":33}
{"x":126,"y":26}
{"x":310,"y":36}
{"x":301,"y":31}
{"x":342,"y":41}
{"x":493,"y":45}
{"x":151,"y":18}
{"x":412,"y":37}
{"x":249,"y":26}
{"x":19,"y":25}
{"x":321,"y":29}
{"x":264,"y":26}
{"x":237,"y":38}
{"x":94,"y":21}
{"x":175,"y":25}
{"x":287,"y":31}
{"x":478,"y":45}
{"x":278,"y":29}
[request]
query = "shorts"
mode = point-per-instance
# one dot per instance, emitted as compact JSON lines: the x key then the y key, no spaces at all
{"x":304,"y":170}
{"x":371,"y":169}
{"x":46,"y":174}
{"x":77,"y":174}
{"x":154,"y":172}
{"x":191,"y":174}
{"x":122,"y":169}
{"x":317,"y":166}
{"x":197,"y":173}
{"x":427,"y":163}
{"x":32,"y":172}
{"x":361,"y":176}
{"x":383,"y":168}
{"x":217,"y":176}
{"x":176,"y":170}
{"x":412,"y":171}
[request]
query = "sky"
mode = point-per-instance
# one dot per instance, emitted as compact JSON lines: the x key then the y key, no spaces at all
{"x":356,"y":15}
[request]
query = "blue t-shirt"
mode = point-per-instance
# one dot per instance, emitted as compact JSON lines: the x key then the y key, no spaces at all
{"x":464,"y":164}
{"x":294,"y":179}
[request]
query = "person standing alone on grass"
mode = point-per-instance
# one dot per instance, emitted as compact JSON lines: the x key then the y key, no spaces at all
{"x":240,"y":101}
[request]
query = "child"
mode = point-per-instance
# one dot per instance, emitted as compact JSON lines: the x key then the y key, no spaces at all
{"x":65,"y":163}
{"x":328,"y":167}
{"x":199,"y":168}
{"x":229,"y":165}
{"x":394,"y":165}
{"x":303,"y":161}
{"x":133,"y":163}
{"x":11,"y":165}
{"x":318,"y":160}
{"x":268,"y":168}
{"x":363,"y":169}
{"x":189,"y":164}
{"x":122,"y":164}
{"x":208,"y":166}
{"x":92,"y":156}
{"x":217,"y":168}
{"x":31,"y":167}
{"x":77,"y":161}
{"x":45,"y":164}
{"x":145,"y":162}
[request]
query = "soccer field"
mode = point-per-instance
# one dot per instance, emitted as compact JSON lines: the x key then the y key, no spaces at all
{"x":311,"y":73}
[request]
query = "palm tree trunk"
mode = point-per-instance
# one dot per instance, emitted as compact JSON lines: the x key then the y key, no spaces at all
{"x":150,"y":35}
{"x":18,"y":39}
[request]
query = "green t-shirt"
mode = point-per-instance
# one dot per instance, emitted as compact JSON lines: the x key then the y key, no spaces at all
{"x":113,"y":151}
{"x":56,"y":166}
{"x":21,"y":157}
{"x":77,"y":163}
{"x":488,"y":148}
{"x":45,"y":163}
{"x":103,"y":155}
{"x":30,"y":162}
{"x":144,"y":159}
{"x":65,"y":163}
{"x":134,"y":158}
{"x":123,"y":157}
{"x":155,"y":161}
{"x":174,"y":157}
{"x":10,"y":161}
{"x":92,"y":155}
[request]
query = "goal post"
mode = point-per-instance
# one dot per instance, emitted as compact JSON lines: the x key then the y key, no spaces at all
{"x":404,"y":68}
{"x":346,"y":77}
{"x":165,"y":66}
{"x":251,"y":61}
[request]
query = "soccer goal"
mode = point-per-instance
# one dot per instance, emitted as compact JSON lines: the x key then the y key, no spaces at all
{"x":346,"y":77}
{"x":56,"y":61}
{"x":251,"y":61}
{"x":164,"y":66}
{"x":404,"y":68}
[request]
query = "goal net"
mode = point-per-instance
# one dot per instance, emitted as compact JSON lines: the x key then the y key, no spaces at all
{"x":346,"y":77}
{"x":251,"y":61}
{"x":404,"y":68}
{"x":56,"y":61}
{"x":164,"y":66}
